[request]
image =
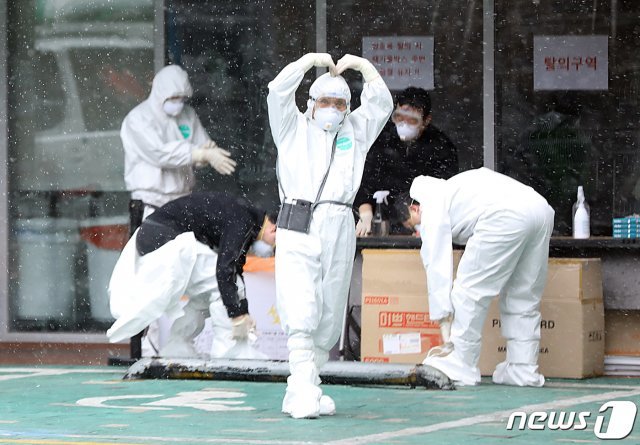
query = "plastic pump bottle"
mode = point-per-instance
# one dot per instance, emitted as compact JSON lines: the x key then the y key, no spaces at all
{"x":581,"y":214}
{"x":380,"y":226}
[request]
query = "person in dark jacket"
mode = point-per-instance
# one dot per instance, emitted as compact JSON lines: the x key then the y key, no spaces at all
{"x":195,"y":245}
{"x":409,"y":146}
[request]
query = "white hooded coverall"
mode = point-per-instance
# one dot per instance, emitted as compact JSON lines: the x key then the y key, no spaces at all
{"x":142,"y":288}
{"x":506,"y":227}
{"x":313,"y":271}
{"x":157,"y":147}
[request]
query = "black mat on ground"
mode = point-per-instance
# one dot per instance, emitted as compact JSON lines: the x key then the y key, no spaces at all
{"x":334,"y":372}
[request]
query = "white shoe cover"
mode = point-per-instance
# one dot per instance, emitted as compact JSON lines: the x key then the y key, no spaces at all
{"x":301,"y":407}
{"x":517,"y":374}
{"x":454,"y":368}
{"x":327,"y":406}
{"x":178,"y":348}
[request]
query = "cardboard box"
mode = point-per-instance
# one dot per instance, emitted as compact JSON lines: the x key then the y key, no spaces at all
{"x":572,"y":326}
{"x":393,"y":272}
{"x":574,"y":279}
{"x":571,"y":343}
{"x":397,"y":329}
{"x":395,"y":308}
{"x":260,"y":283}
{"x":396,"y":326}
{"x":622,"y":333}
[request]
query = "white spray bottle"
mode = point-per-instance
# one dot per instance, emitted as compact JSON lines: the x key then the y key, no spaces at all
{"x":380,"y":226}
{"x":581,"y":217}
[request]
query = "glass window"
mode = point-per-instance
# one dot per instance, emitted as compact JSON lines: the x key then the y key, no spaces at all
{"x":48,"y":95}
{"x":231,"y":51}
{"x":456,"y":94}
{"x":559,"y":136}
{"x":111,"y":81}
{"x":75,"y":70}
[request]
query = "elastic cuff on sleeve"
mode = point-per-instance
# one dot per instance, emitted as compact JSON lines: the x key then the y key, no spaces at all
{"x":369,"y":72}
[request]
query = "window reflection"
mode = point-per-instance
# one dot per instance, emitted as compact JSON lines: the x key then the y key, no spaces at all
{"x":74,"y":72}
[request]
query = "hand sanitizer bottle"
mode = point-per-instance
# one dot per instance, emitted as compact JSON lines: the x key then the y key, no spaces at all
{"x":380,"y":226}
{"x":581,"y":221}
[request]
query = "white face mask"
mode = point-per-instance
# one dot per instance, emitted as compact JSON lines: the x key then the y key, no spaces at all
{"x":407,"y":132}
{"x":328,"y":118}
{"x":416,"y":228}
{"x":262,"y":249}
{"x":173,"y":107}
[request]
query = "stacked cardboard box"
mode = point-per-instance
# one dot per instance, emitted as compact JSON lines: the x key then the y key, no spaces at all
{"x":395,"y":312}
{"x":622,"y":333}
{"x":572,"y":326}
{"x":396,"y":326}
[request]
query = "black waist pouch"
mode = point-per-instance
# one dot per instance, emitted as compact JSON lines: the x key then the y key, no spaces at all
{"x":295,"y":216}
{"x":136,"y":212}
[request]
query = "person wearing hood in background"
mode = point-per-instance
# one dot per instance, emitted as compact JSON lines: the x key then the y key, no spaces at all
{"x":163,"y":139}
{"x":321,"y":155}
{"x":194,"y":245}
{"x":409,"y":146}
{"x":506,"y":227}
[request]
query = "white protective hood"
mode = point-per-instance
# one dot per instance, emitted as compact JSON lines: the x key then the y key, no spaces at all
{"x":170,"y":81}
{"x":328,"y":86}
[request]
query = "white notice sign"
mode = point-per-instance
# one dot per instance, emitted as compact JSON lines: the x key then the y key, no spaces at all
{"x":401,"y":61}
{"x":570,"y":63}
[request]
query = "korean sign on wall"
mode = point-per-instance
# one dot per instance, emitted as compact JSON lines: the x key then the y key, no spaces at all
{"x":570,"y":63}
{"x":402,"y":61}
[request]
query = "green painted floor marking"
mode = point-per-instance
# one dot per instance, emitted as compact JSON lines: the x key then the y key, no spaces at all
{"x":94,"y":406}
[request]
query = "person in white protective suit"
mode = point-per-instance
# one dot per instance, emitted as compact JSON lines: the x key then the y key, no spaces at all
{"x":505,"y":227}
{"x":194,"y":245}
{"x":313,"y":267}
{"x":163,"y":139}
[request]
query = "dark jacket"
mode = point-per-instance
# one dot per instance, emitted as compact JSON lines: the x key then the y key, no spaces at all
{"x":393,"y":164}
{"x":226,"y":223}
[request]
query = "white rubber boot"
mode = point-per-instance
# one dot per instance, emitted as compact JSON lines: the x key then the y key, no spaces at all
{"x":520,"y":368}
{"x":516,"y":374}
{"x":302,"y":397}
{"x":327,"y":406}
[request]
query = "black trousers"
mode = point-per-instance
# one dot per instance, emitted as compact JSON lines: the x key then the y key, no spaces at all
{"x":152,"y":236}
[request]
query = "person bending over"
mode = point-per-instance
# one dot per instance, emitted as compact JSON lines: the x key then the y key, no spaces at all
{"x":195,"y":246}
{"x":505,"y":227}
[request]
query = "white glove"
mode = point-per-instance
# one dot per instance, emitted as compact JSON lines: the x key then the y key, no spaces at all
{"x":242,"y":327}
{"x":369,"y":72}
{"x":215,"y":156}
{"x":310,"y":60}
{"x":363,"y":228}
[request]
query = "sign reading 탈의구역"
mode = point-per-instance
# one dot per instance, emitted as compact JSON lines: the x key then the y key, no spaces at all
{"x":402,"y":61}
{"x":570,"y":63}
